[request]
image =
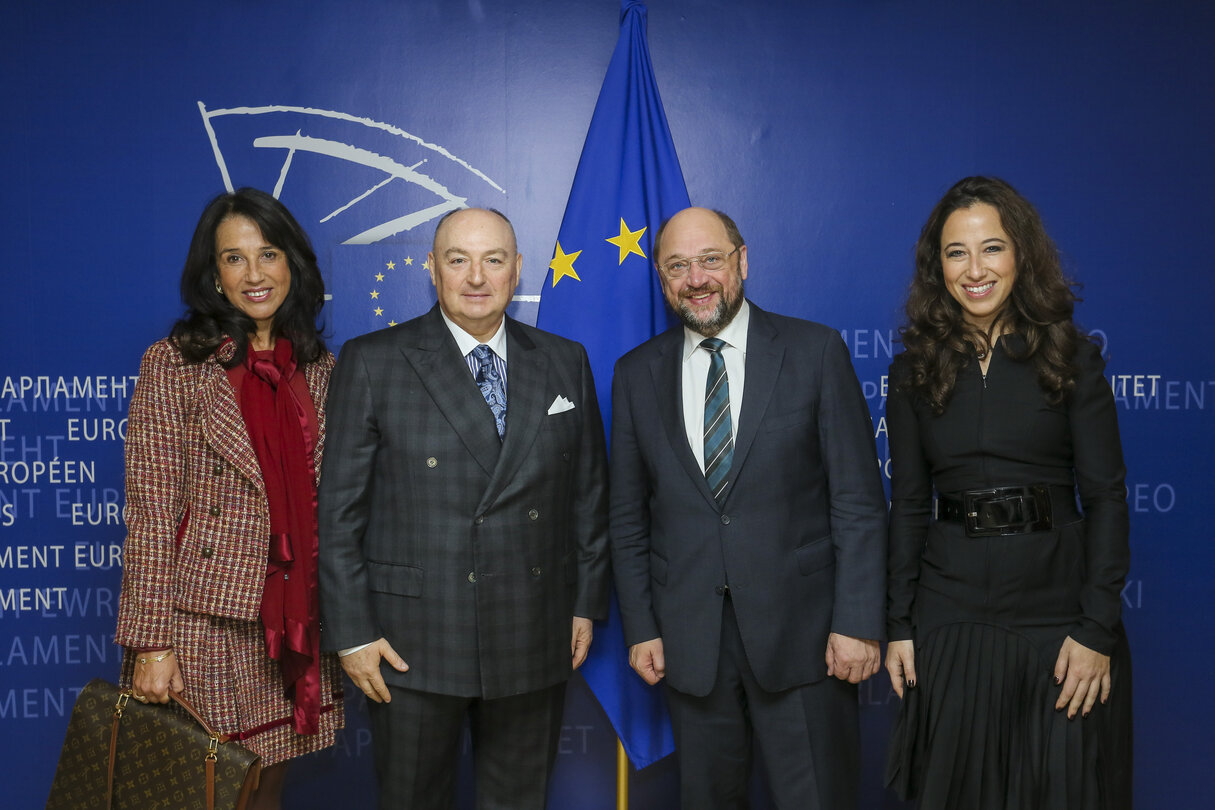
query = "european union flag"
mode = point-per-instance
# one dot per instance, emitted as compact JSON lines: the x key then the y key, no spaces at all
{"x":602,"y":291}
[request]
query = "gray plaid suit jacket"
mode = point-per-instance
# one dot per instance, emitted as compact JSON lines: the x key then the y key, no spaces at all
{"x":470,"y":555}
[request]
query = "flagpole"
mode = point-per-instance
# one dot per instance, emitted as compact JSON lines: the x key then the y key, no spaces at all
{"x":602,"y":291}
{"x":622,"y":777}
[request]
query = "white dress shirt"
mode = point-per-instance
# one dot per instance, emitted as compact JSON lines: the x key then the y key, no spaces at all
{"x":696,"y":375}
{"x":467,"y":343}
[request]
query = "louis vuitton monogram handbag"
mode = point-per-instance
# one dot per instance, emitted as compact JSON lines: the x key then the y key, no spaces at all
{"x":120,"y":754}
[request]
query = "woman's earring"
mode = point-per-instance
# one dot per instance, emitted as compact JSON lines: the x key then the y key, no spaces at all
{"x":219,"y":288}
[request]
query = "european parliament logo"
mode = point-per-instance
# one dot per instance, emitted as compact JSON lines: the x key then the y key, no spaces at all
{"x":362,"y":186}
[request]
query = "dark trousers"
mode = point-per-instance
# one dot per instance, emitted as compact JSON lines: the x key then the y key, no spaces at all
{"x":416,"y":739}
{"x":808,"y":738}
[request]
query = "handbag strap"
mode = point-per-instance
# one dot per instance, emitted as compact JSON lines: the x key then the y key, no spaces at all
{"x":180,"y":699}
{"x":209,"y":762}
{"x":109,"y":776}
{"x":210,"y":768}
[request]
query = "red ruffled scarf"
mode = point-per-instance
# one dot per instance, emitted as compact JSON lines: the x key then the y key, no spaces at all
{"x":277,"y":423}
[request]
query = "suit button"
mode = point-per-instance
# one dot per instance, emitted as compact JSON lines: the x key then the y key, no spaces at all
{"x":432,"y":462}
{"x":472,"y":576}
{"x":218,"y":469}
{"x":534,"y":514}
{"x":479,"y":519}
{"x":720,"y":590}
{"x":207,"y":552}
{"x":214,"y":510}
{"x":565,"y":456}
{"x":725,"y":520}
{"x":537,"y":571}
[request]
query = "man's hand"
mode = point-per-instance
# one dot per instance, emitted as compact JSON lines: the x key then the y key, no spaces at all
{"x":852,"y":659}
{"x":647,"y":660}
{"x":363,"y":667}
{"x":900,"y":663}
{"x":580,"y":640}
{"x":1085,"y":675}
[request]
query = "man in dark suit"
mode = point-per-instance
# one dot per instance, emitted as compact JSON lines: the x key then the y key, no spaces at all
{"x":463,"y":530}
{"x":748,"y":528}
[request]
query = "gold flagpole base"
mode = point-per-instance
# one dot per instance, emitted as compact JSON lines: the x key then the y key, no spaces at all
{"x":622,"y":777}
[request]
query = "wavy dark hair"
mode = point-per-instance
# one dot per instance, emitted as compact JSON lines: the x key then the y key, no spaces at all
{"x":939,"y":341}
{"x":210,"y":318}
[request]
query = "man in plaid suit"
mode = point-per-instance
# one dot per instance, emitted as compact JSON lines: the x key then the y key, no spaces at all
{"x":463,"y":528}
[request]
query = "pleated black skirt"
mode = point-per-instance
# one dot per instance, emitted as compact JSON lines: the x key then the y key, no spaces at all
{"x":980,"y":731}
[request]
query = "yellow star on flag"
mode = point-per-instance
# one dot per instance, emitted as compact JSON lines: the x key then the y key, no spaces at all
{"x":628,"y":241}
{"x":392,"y":265}
{"x":562,"y":264}
{"x":392,"y":323}
{"x":375,"y":293}
{"x":408,"y":260}
{"x":379,"y":276}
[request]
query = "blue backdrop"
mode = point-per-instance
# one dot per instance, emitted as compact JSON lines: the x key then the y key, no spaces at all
{"x":827,"y":129}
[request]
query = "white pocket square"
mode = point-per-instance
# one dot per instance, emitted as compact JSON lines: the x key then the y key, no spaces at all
{"x":560,"y":405}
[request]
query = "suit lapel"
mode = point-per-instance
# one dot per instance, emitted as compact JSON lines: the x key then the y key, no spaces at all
{"x":764,"y":358}
{"x":445,"y":374}
{"x":666,"y":373}
{"x":526,"y":389}
{"x":222,"y":424}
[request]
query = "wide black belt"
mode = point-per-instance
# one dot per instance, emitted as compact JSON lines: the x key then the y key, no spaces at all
{"x":999,"y":511}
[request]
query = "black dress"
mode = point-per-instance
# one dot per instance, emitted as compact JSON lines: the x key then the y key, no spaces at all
{"x":989,"y":615}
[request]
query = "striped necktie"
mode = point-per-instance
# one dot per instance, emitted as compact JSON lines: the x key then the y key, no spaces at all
{"x":718,"y":427}
{"x":490,"y":383}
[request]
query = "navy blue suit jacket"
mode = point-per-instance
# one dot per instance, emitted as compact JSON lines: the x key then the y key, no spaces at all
{"x":801,"y":536}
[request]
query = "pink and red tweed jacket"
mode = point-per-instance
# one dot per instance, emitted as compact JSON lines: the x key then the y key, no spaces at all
{"x":187,"y":447}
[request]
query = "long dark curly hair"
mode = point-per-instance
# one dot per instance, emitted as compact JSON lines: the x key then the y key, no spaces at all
{"x":211,"y":319}
{"x":938,"y":339}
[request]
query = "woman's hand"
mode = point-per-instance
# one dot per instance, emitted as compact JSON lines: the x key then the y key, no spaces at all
{"x":153,"y":679}
{"x":900,"y":663}
{"x":1084,"y":674}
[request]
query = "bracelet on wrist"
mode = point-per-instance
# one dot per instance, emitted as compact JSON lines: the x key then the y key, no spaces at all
{"x":154,"y":659}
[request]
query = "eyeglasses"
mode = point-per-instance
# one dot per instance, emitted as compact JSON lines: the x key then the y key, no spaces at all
{"x":709,"y":262}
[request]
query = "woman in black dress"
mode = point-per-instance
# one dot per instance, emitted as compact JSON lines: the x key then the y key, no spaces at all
{"x":1006,"y":644}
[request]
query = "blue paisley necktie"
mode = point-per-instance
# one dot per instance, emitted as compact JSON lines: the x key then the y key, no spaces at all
{"x":491,"y":385}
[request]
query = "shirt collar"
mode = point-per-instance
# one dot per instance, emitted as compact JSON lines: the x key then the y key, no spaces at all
{"x":734,"y":333}
{"x":467,"y":342}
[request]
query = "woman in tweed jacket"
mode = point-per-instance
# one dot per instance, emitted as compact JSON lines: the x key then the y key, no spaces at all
{"x":226,"y":428}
